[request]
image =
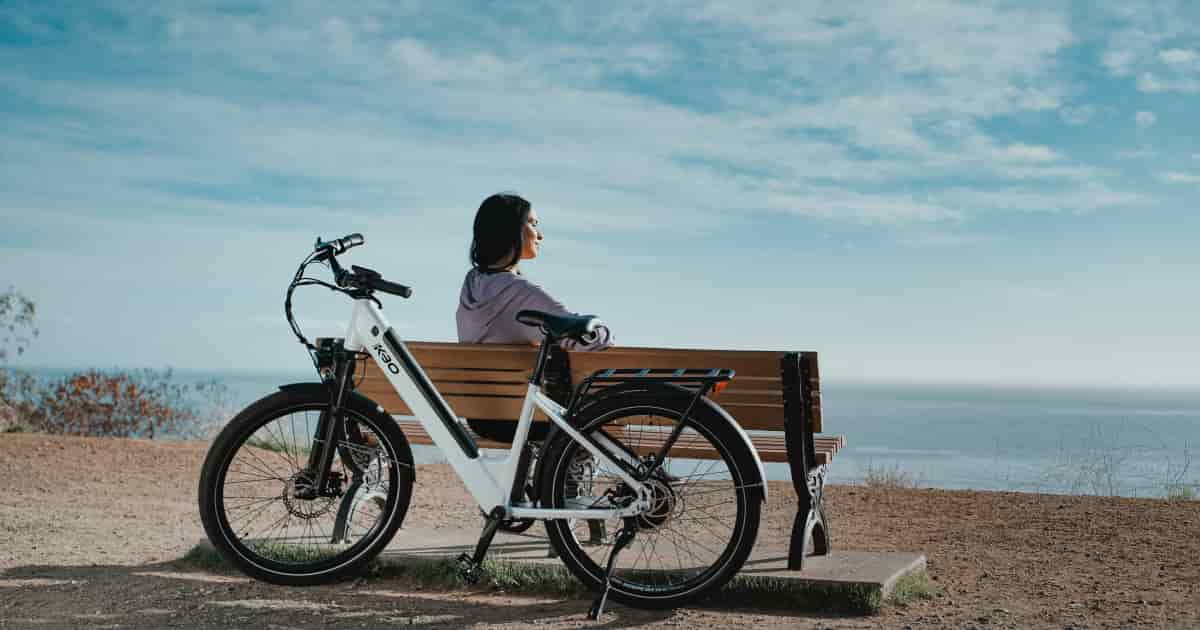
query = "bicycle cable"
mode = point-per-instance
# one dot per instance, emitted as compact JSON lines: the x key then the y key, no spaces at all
{"x":302,"y":280}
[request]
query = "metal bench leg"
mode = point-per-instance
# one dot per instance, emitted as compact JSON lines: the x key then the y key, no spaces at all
{"x":809,"y":478}
{"x":821,"y":543}
{"x":810,"y":523}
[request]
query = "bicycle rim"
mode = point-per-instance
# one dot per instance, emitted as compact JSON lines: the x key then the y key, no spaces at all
{"x":695,"y":536}
{"x":264,"y":522}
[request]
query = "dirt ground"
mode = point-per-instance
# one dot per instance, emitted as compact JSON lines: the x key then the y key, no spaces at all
{"x":91,"y":531}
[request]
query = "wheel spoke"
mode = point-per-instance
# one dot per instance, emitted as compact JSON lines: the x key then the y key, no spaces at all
{"x":260,"y":506}
{"x":694,"y":536}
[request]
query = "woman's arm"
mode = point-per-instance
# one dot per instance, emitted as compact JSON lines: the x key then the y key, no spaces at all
{"x":534,"y":297}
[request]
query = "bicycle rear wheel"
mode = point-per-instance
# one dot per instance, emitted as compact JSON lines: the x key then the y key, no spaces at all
{"x":705,"y":513}
{"x":258,"y":503}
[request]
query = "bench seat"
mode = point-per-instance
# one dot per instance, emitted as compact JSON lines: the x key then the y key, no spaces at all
{"x":775,"y":396}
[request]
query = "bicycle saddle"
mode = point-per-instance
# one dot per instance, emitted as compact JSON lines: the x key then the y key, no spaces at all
{"x":558,"y":326}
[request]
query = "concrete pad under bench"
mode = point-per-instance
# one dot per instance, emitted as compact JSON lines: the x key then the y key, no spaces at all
{"x":848,"y":581}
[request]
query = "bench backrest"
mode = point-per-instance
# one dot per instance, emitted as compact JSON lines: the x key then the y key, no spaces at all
{"x":489,"y":380}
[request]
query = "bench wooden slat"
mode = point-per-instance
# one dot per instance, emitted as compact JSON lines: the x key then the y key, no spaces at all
{"x":492,"y":356}
{"x":745,"y":363}
{"x":452,"y":388}
{"x":478,"y":375}
{"x":488,"y":407}
{"x":770,"y":449}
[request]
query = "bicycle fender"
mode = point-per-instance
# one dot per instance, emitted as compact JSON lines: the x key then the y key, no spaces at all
{"x":325,"y":388}
{"x":762,"y":474}
{"x":295,"y":387}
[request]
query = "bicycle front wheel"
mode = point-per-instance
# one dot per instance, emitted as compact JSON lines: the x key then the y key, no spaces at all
{"x":259,"y":504}
{"x":706,"y":499}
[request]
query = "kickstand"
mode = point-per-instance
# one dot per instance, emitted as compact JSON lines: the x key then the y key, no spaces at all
{"x":624,"y":537}
{"x":468,"y":564}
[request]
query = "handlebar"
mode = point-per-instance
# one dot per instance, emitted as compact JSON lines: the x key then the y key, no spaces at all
{"x":358,"y":283}
{"x":338,"y":245}
{"x":358,"y":277}
{"x":370,"y":279}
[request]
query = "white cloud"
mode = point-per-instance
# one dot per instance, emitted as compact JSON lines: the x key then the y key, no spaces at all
{"x":1086,"y":199}
{"x":1029,"y":153}
{"x":942,"y":240}
{"x":1175,"y":177}
{"x":1178,"y":56}
{"x":1146,"y":41}
{"x":1119,"y":62}
{"x":1153,"y":84}
{"x":1137,"y":154}
{"x":1077,"y":115}
{"x":1145,"y":120}
{"x":417,"y":121}
{"x":630,"y":128}
{"x":863,"y":208}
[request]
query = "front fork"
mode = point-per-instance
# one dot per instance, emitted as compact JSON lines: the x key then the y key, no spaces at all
{"x":336,"y":366}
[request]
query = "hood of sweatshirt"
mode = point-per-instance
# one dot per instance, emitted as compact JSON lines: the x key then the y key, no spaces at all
{"x":484,"y":297}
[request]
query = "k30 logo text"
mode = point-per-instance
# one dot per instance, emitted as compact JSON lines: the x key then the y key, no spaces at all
{"x":387,"y":359}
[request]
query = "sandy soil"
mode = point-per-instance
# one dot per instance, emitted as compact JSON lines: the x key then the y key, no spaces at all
{"x":91,"y":531}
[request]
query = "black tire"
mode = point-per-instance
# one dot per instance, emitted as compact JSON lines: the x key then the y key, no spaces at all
{"x":279,"y":538}
{"x":708,"y":510}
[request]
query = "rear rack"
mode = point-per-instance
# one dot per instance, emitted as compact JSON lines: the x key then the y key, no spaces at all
{"x":663,"y":375}
{"x":696,"y":382}
{"x":699,"y":381}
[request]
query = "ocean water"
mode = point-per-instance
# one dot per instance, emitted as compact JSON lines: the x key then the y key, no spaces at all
{"x":1131,"y":442}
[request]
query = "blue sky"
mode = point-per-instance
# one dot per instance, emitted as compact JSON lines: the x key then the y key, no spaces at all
{"x":928,"y":191}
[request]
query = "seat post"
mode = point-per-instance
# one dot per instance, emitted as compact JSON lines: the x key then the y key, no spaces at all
{"x":539,"y":370}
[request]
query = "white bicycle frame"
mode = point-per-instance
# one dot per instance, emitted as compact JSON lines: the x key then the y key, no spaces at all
{"x":489,"y":479}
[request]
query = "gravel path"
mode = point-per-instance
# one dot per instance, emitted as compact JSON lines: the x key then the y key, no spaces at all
{"x":91,"y":531}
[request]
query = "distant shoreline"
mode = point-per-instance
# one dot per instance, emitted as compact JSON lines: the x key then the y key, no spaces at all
{"x":299,"y":369}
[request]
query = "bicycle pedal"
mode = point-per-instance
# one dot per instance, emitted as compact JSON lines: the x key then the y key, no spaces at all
{"x":467,"y":569}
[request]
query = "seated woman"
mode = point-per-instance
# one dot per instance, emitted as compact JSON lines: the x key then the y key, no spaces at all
{"x":494,"y":291}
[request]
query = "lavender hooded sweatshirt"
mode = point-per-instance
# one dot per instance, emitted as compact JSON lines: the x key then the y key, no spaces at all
{"x":488,"y":307}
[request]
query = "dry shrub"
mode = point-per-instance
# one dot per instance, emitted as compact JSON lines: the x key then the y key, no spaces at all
{"x":889,"y":477}
{"x":143,"y":404}
{"x":16,"y":323}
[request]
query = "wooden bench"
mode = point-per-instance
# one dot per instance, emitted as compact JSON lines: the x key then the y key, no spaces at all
{"x":775,"y":396}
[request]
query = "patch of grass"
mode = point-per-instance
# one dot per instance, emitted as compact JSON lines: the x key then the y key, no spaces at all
{"x":556,"y":580}
{"x":533,"y":578}
{"x":291,"y":553}
{"x":888,"y":477}
{"x":498,"y":574}
{"x":1181,"y":493}
{"x":766,"y":592}
{"x":205,"y":557}
{"x":440,"y":574}
{"x":910,"y":588}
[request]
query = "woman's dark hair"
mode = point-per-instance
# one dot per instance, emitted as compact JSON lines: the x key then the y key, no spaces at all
{"x":499,"y":232}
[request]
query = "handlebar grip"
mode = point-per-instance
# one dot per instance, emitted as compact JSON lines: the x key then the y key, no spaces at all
{"x":391,"y":287}
{"x":338,"y":245}
{"x":348,"y":241}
